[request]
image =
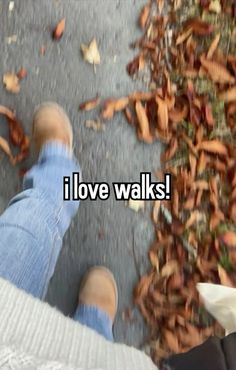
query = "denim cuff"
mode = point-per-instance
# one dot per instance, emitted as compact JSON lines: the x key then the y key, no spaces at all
{"x":55,"y":148}
{"x":95,"y":319}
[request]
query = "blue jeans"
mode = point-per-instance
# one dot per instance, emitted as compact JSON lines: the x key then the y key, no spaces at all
{"x":32,"y":230}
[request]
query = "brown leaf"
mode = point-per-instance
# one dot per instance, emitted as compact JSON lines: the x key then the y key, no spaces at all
{"x":22,"y":73}
{"x":217,"y":72}
{"x":139,"y":95}
{"x":11,"y":82}
{"x":89,"y":104}
{"x":228,"y":238}
{"x":154,"y":259}
{"x":213,"y":46}
{"x":232,"y":211}
{"x":169,"y":269}
{"x":142,"y":288}
{"x":184,"y":36}
{"x":228,"y":95}
{"x":144,"y":15}
{"x":199,"y":27}
{"x":202,"y":163}
{"x":190,"y":144}
{"x":171,"y":340}
{"x":180,"y":113}
{"x":215,"y":219}
{"x":190,"y":202}
{"x":6,"y":148}
{"x":59,"y":29}
{"x":224,"y":277}
{"x":114,"y":105}
{"x":145,"y":134}
{"x":16,"y":132}
{"x":175,"y":203}
{"x":171,"y":150}
{"x":209,"y":116}
{"x":213,"y":146}
{"x":136,"y":65}
{"x":162,"y":114}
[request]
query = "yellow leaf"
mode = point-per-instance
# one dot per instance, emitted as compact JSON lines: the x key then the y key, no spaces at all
{"x":11,"y":82}
{"x":136,"y":205}
{"x":91,"y":52}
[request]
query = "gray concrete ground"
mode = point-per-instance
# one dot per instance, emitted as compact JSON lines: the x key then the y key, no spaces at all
{"x":106,"y":233}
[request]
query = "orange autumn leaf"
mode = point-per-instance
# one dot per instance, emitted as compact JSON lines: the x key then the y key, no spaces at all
{"x":145,"y":134}
{"x":228,"y":95}
{"x":217,"y":72}
{"x":144,"y":15}
{"x":213,"y":146}
{"x":213,"y":46}
{"x":59,"y":29}
{"x":228,"y":238}
{"x":89,"y":104}
{"x":171,"y":341}
{"x":114,"y":105}
{"x":171,"y":150}
{"x":162,"y":114}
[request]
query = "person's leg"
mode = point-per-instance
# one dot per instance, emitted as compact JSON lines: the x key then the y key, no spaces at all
{"x":98,"y":301}
{"x":33,"y":225}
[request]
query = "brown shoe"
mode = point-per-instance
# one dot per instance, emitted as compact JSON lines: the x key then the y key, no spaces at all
{"x":50,"y":122}
{"x":98,"y":288}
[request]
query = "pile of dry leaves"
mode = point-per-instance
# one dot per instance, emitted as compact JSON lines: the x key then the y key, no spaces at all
{"x":191,"y":107}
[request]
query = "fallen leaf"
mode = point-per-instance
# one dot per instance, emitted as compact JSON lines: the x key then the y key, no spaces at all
{"x":217,"y":72}
{"x":183,"y":36}
{"x":199,"y":27}
{"x":162,"y":114}
{"x":172,"y":341}
{"x":95,"y":125}
{"x":213,"y":146}
{"x":228,"y":238}
{"x":224,"y":277}
{"x":136,"y":205}
{"x":11,"y":82}
{"x":91,"y":52}
{"x":144,"y":15}
{"x":215,"y":6}
{"x":213,"y":46}
{"x":59,"y":29}
{"x":89,"y":104}
{"x":171,"y":150}
{"x":6,"y":148}
{"x":154,"y":259}
{"x":137,"y":64}
{"x":209,"y":116}
{"x":170,"y":268}
{"x":22,"y":73}
{"x":228,"y":95}
{"x":145,"y":134}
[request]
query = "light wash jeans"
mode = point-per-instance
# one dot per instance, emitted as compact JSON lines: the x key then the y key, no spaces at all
{"x":32,"y":230}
